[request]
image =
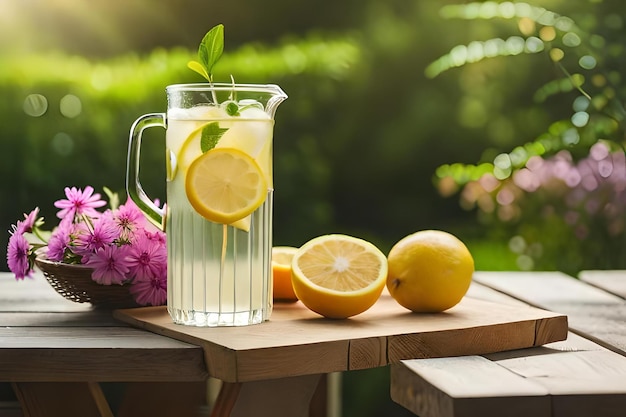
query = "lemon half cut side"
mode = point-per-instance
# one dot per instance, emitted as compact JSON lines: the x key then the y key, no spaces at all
{"x":338,"y":276}
{"x":225,"y":185}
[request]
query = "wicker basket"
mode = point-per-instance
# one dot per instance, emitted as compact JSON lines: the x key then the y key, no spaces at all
{"x":74,"y":283}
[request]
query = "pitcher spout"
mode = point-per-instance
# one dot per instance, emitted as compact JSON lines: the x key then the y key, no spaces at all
{"x":277,"y":97}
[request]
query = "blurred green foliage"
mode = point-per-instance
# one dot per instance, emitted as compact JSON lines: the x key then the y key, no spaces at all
{"x":49,"y":146}
{"x":377,"y":114}
{"x":562,"y":195}
{"x":369,"y":138}
{"x":355,"y":144}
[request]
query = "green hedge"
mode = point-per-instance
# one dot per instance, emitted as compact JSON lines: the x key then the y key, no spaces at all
{"x":64,"y":147}
{"x":356,"y":143}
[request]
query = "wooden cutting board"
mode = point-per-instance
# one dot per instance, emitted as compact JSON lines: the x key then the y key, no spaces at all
{"x":296,"y":341}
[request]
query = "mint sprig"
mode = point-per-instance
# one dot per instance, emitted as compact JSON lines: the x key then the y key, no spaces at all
{"x":211,"y":134}
{"x":209,"y":52}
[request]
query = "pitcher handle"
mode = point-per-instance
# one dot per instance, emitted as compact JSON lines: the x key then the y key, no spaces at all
{"x":133,"y":185}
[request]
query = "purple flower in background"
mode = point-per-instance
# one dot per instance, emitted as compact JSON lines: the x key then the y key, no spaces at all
{"x":79,"y":202}
{"x":110,"y":265}
{"x":17,"y":255}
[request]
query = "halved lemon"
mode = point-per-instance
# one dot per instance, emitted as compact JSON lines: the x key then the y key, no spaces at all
{"x":225,"y":185}
{"x":281,"y":273}
{"x":338,"y":276}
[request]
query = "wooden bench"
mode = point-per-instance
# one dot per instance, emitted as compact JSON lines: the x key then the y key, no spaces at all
{"x":584,"y":375}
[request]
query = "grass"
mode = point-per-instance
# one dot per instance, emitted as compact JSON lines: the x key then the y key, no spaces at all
{"x":491,"y":255}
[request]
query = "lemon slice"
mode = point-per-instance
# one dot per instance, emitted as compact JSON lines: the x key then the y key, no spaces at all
{"x":338,"y":276}
{"x":186,"y":147}
{"x":225,"y":185}
{"x":281,"y":273}
{"x":190,"y":148}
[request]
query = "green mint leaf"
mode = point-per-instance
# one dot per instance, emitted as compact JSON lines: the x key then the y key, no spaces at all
{"x":210,"y":50}
{"x":211,"y":134}
{"x":232,"y":109}
{"x":197,"y":67}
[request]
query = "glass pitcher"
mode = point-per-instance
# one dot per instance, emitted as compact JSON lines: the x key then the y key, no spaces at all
{"x":219,"y":269}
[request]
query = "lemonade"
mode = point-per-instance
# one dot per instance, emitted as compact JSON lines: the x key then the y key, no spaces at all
{"x":218,"y":274}
{"x":218,"y":213}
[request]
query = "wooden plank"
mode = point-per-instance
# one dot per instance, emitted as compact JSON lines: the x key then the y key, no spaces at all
{"x":564,"y":373}
{"x":581,"y":382}
{"x":88,"y":318}
{"x":295,"y":338}
{"x":482,"y":292}
{"x":591,"y":311}
{"x":98,"y":353}
{"x":545,"y":289}
{"x":59,"y":340}
{"x":289,"y":361}
{"x":611,"y":281}
{"x":465,"y":386}
{"x":33,"y":294}
{"x":105,"y":365}
{"x":551,"y":380}
{"x":84,"y":338}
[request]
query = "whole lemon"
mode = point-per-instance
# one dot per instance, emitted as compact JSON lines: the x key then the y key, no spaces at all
{"x":429,"y":271}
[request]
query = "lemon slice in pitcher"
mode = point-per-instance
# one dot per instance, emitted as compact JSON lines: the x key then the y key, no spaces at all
{"x":225,"y":185}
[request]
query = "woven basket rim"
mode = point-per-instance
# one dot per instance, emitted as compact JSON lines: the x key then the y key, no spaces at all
{"x":74,"y":282}
{"x":41,"y":257}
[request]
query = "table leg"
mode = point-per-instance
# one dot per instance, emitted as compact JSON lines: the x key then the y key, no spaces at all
{"x":61,"y":399}
{"x":269,"y":398}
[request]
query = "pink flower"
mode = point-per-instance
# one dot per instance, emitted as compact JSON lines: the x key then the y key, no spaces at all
{"x":129,"y":218}
{"x":150,"y":290}
{"x":88,"y":240}
{"x":27,"y":225}
{"x":146,"y":258}
{"x":119,"y":245}
{"x":79,"y":202}
{"x":157,"y":236}
{"x":17,"y":255}
{"x":59,"y":242}
{"x":110,"y":265}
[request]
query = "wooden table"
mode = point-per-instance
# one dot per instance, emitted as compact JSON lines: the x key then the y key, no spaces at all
{"x":56,"y":354}
{"x":582,"y":376}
